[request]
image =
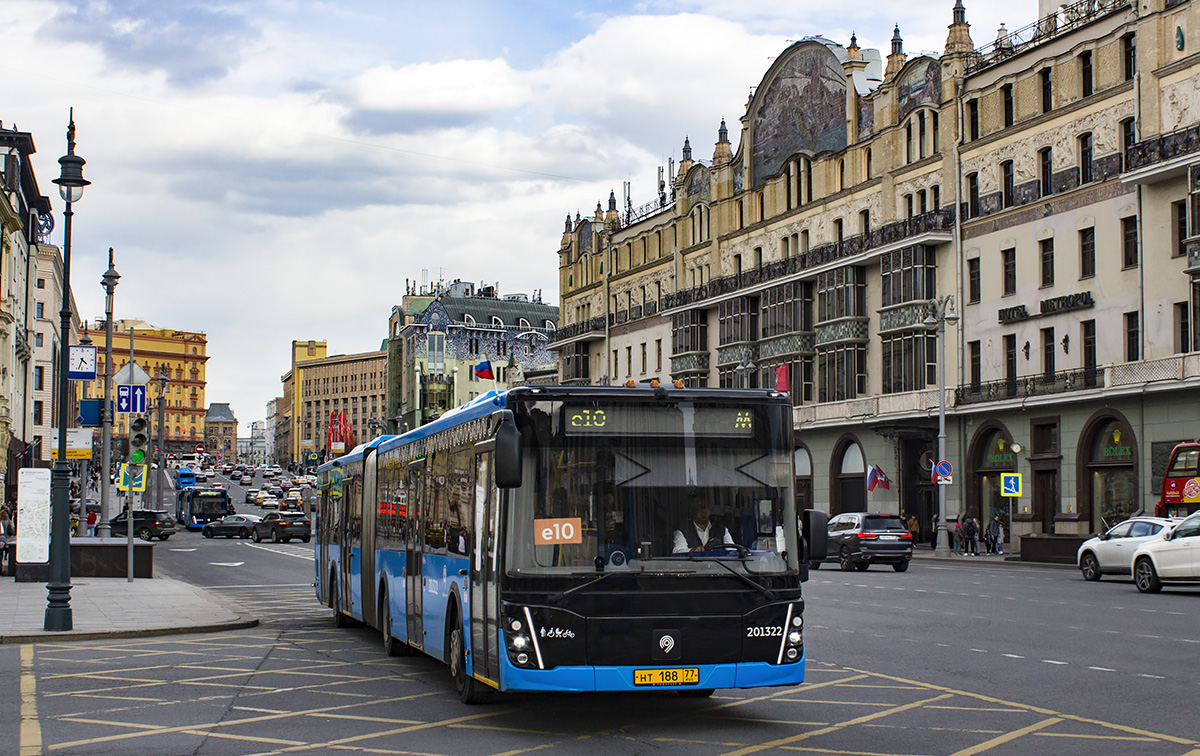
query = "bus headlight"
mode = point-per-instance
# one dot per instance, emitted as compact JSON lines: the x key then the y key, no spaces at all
{"x":797,"y":621}
{"x":519,"y":642}
{"x":515,"y":625}
{"x":792,"y":653}
{"x":522,"y":658}
{"x":794,"y":637}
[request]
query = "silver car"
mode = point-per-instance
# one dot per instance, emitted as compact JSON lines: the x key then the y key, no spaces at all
{"x":1111,"y":553}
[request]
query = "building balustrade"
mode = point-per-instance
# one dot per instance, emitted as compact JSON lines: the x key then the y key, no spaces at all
{"x":1067,"y":18}
{"x":1162,"y":148}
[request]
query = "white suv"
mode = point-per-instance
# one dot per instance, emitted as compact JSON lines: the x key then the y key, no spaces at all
{"x":1111,"y":553}
{"x":1174,"y":558}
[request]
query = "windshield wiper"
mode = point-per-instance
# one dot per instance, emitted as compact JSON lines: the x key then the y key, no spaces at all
{"x":764,"y":591}
{"x":560,"y":596}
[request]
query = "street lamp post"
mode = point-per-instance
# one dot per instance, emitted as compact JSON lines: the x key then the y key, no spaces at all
{"x":941,"y":312}
{"x":58,"y":601}
{"x":109,"y":282}
{"x":743,"y":370}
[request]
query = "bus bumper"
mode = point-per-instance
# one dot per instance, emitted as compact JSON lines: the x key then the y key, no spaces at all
{"x":586,"y":678}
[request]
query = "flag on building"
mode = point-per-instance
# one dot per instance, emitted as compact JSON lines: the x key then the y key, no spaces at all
{"x":484,"y":370}
{"x":781,"y":379}
{"x":877,"y":477}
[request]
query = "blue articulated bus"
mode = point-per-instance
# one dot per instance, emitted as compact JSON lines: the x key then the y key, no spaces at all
{"x":556,"y":538}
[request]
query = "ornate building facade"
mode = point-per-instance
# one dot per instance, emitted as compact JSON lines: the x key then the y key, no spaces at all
{"x":443,"y":339}
{"x":1037,"y":187}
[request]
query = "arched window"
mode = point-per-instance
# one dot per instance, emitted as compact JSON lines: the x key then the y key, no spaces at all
{"x":867,"y":166}
{"x":523,"y":323}
{"x":549,"y":325}
{"x":468,"y":319}
{"x":849,"y":483}
{"x":1108,"y":471}
{"x":497,"y":322}
{"x":803,"y":478}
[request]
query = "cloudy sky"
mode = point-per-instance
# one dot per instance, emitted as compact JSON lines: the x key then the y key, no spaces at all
{"x":270,"y":170}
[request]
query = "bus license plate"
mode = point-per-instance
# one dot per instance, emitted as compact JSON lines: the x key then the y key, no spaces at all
{"x":676,"y":676}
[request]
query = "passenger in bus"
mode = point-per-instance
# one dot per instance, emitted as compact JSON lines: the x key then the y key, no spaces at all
{"x":699,"y":529}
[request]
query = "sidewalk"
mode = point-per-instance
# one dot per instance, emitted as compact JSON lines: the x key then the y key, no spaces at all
{"x":115,"y":608}
{"x":926,"y":554}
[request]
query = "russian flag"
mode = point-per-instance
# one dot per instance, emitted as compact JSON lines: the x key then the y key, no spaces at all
{"x":484,"y":370}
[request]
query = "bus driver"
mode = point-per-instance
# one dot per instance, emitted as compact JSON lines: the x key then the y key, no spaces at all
{"x":699,"y":530}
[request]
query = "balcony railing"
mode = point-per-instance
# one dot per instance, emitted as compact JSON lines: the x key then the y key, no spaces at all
{"x":1040,"y":384}
{"x":654,"y":207}
{"x":577,"y":329}
{"x":1043,"y":30}
{"x":1163,"y":147}
{"x":938,"y":220}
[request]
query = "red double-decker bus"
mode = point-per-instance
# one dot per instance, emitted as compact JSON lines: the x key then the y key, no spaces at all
{"x":1181,"y":483}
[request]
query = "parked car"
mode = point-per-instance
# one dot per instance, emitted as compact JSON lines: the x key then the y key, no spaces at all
{"x":234,"y":525}
{"x":1111,"y":552}
{"x":148,"y":524}
{"x":282,"y":526}
{"x":252,"y":495}
{"x":859,"y":539}
{"x":1173,"y":557}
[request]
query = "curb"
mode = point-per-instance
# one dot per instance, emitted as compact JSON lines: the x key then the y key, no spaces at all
{"x":241,"y":623}
{"x":1006,"y":562}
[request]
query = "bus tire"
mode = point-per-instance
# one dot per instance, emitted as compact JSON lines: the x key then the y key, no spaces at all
{"x":392,"y":646}
{"x":469,"y":690}
{"x":335,"y":602}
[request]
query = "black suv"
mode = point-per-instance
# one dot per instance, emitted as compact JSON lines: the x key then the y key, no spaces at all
{"x":148,"y":524}
{"x":282,"y":526}
{"x":859,"y":539}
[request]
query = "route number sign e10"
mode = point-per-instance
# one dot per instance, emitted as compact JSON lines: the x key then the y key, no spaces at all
{"x":558,"y":531}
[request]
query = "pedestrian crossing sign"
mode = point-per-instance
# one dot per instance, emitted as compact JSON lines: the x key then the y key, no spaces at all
{"x":138,"y":483}
{"x":1010,"y":484}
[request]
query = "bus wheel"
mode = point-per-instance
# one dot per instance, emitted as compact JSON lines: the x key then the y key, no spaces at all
{"x":469,"y":691}
{"x":335,"y":601}
{"x":391,"y":645}
{"x":696,"y":693}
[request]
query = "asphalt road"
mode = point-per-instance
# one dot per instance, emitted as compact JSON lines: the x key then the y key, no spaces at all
{"x":947,"y":658}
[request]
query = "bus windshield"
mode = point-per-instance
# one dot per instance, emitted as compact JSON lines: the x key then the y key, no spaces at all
{"x":621,"y":487}
{"x":209,"y":502}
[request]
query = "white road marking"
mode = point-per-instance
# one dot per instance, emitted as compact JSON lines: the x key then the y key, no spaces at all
{"x":1014,"y":656}
{"x":1052,"y":661}
{"x":1102,"y":669}
{"x":1152,"y":677}
{"x":183,"y":549}
{"x":226,"y":564}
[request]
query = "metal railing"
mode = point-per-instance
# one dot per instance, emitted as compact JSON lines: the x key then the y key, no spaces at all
{"x":1043,"y":30}
{"x":1040,"y":384}
{"x":1163,"y":147}
{"x":937,"y":220}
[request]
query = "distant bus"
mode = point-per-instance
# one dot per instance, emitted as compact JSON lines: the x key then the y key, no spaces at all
{"x":197,"y":506}
{"x":185,"y":477}
{"x":1180,"y":494}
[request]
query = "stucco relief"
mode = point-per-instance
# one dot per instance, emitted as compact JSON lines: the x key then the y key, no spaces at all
{"x":916,"y":184}
{"x":1105,"y":126}
{"x":1180,"y":103}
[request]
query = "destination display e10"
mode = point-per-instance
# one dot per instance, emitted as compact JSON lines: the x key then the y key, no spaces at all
{"x":668,"y":420}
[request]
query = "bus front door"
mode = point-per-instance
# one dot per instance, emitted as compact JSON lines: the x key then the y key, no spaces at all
{"x":370,"y":511}
{"x":413,"y":541}
{"x":485,"y":594}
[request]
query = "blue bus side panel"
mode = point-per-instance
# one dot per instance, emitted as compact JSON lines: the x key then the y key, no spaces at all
{"x":438,"y":572}
{"x":334,"y":566}
{"x":391,"y":569}
{"x":356,"y":592}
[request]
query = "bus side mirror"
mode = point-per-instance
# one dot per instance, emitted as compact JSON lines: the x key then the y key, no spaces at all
{"x":508,"y":452}
{"x":816,"y":532}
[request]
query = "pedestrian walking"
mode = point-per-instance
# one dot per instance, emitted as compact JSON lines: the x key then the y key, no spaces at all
{"x":92,"y":518}
{"x":970,"y":533}
{"x":6,"y":531}
{"x":996,"y":534}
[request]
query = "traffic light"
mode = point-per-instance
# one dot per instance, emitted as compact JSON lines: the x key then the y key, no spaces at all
{"x":139,"y":440}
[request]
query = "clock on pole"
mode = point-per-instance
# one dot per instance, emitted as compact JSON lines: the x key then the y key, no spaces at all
{"x":81,"y":362}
